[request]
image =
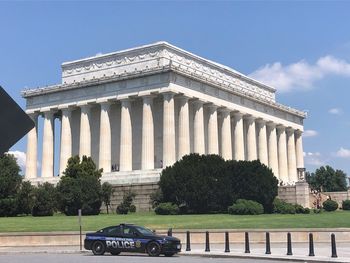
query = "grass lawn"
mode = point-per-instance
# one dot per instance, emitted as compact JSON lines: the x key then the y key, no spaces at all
{"x":60,"y":222}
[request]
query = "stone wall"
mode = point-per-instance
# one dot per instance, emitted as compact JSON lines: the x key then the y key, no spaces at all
{"x":295,"y":194}
{"x":339,"y":197}
{"x":142,"y":199}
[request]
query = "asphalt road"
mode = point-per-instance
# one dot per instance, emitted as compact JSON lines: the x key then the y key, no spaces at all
{"x":87,"y":258}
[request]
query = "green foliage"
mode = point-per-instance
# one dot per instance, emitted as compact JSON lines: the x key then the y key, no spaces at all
{"x":299,"y":209}
{"x":124,"y":207}
{"x":80,"y":187}
{"x":330,"y":205}
{"x":245,"y":207}
{"x":44,"y":200}
{"x":156,"y":198}
{"x":282,"y":207}
{"x":346,"y":205}
{"x":167,"y":209}
{"x":107,"y":192}
{"x":209,"y":184}
{"x":25,"y":197}
{"x":132,"y":209}
{"x":327,"y":179}
{"x":10,"y":182}
{"x":8,"y":207}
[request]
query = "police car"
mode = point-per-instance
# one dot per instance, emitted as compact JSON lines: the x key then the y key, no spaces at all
{"x":131,"y":238}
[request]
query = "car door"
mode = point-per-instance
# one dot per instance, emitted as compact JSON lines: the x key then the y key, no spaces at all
{"x":132,"y":242}
{"x":113,"y":236}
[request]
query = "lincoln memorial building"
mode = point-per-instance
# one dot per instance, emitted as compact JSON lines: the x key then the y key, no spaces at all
{"x":139,"y":110}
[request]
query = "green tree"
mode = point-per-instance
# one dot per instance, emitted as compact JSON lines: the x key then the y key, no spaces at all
{"x":327,"y":179}
{"x":80,"y":187}
{"x":107,"y":192}
{"x":10,"y":182}
{"x":25,"y":198}
{"x":44,"y":200}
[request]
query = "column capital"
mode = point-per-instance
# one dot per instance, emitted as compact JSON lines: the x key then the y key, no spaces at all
{"x":238,"y":114}
{"x":261,"y":121}
{"x":211,"y":106}
{"x":168,"y":95}
{"x":271,"y":124}
{"x":249,"y":118}
{"x":224,"y":110}
{"x":280,"y":127}
{"x":33,"y":115}
{"x":84,"y":106}
{"x":298,"y":132}
{"x":289,"y":130}
{"x":148,"y":98}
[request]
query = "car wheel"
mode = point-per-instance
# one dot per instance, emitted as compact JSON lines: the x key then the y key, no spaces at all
{"x":169,"y":254}
{"x":98,"y":248}
{"x":115,"y":253}
{"x":153,"y":249}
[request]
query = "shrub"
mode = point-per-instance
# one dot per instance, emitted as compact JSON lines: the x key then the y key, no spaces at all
{"x":132,"y":209}
{"x":124,"y":207}
{"x":25,"y":198}
{"x":167,"y":209}
{"x":281,"y":207}
{"x":8,"y":207}
{"x":80,"y":187}
{"x":44,"y":200}
{"x":346,"y":205}
{"x":246,"y":207}
{"x":330,"y":205}
{"x":209,"y":184}
{"x":301,"y":210}
{"x":156,"y":198}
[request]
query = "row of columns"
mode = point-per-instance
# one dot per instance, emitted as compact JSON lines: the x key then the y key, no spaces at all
{"x":278,"y":147}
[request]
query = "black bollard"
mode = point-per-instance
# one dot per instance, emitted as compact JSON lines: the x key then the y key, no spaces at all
{"x":334,"y":247}
{"x":227,"y":242}
{"x":311,"y":245}
{"x":188,"y":241}
{"x":207,"y":247}
{"x":247,"y":250}
{"x":170,"y":232}
{"x":289,"y":244}
{"x":268,"y":247}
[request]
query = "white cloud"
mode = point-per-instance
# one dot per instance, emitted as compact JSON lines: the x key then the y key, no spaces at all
{"x":21,"y":159}
{"x":343,"y":153}
{"x":310,"y":133}
{"x":335,"y":111}
{"x":313,"y":158}
{"x":300,"y":75}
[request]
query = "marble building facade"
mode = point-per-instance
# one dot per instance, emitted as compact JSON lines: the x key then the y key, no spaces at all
{"x":139,"y":110}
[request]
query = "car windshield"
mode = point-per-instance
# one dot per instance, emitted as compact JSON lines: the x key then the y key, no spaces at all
{"x":144,"y":231}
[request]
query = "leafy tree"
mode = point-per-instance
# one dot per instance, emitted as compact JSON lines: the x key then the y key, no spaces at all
{"x":44,"y":200}
{"x":25,"y":198}
{"x":80,"y":187}
{"x":126,"y":206}
{"x":209,"y":184}
{"x":327,"y":179}
{"x":10,"y":182}
{"x":107,"y":192}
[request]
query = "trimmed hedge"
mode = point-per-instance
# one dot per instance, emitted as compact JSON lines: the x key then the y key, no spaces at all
{"x":330,"y":205}
{"x":281,"y":207}
{"x":246,"y":207}
{"x":299,"y":209}
{"x":167,"y":209}
{"x":346,"y":205}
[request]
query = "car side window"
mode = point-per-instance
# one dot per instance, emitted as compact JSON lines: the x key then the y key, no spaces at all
{"x":113,"y":231}
{"x":129,"y":230}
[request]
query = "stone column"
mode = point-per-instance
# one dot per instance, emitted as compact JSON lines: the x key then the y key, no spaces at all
{"x":282,"y":154}
{"x":239,"y":137}
{"x":199,"y":140}
{"x":226,"y":142}
{"x":273,"y":150}
{"x":147,"y":155}
{"x":213,"y":137}
{"x":85,"y":132}
{"x":299,"y":149}
{"x":48,"y":146}
{"x":262,"y":142}
{"x":104,"y":161}
{"x":66,"y":139}
{"x":251,"y":139}
{"x":292,"y":164}
{"x":184,"y":128}
{"x":125,"y":136}
{"x":32,"y":149}
{"x":169,"y":153}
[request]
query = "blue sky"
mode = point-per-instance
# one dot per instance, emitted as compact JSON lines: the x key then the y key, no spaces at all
{"x":302,"y":48}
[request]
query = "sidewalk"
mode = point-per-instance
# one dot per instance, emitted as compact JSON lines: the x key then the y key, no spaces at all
{"x":278,"y":251}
